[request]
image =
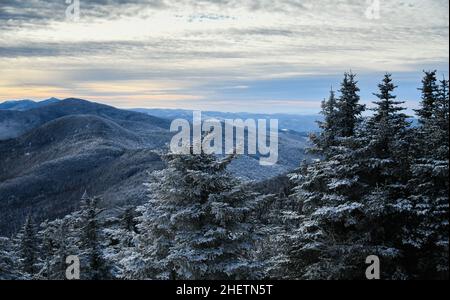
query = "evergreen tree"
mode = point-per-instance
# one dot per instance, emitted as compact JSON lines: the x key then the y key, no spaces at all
{"x":46,"y":237}
{"x":427,"y":235}
{"x":442,"y":105}
{"x":387,"y":173}
{"x":122,"y":236}
{"x":387,"y":141}
{"x":91,"y":240}
{"x":350,"y":200}
{"x":28,"y":250}
{"x":58,"y":242}
{"x":429,"y":91}
{"x":8,"y":261}
{"x":327,"y":240}
{"x":329,"y":130}
{"x":349,"y":108}
{"x":198,"y":223}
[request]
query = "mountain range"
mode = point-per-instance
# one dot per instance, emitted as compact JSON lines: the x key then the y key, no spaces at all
{"x":23,"y":105}
{"x":298,"y":123}
{"x":52,"y":152}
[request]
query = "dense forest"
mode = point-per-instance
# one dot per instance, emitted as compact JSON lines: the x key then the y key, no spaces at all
{"x":379,"y":188}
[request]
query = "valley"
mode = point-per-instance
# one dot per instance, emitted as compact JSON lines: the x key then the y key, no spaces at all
{"x":51,"y":154}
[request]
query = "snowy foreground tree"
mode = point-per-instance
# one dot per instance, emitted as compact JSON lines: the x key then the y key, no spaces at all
{"x":329,"y":129}
{"x":198,"y":224}
{"x":92,"y":241}
{"x":58,"y":241}
{"x":428,"y":232}
{"x":27,"y":248}
{"x":8,"y":261}
{"x":327,"y":240}
{"x":42,"y":254}
{"x":361,"y":200}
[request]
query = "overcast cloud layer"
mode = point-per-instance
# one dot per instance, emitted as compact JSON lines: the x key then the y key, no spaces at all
{"x":216,"y":54}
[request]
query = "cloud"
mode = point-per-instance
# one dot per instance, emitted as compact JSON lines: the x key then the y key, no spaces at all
{"x":207,"y":46}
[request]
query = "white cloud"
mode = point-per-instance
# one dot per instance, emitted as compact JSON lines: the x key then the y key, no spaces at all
{"x":218,"y":41}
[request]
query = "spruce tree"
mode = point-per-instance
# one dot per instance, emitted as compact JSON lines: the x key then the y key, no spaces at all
{"x":58,"y":241}
{"x":387,"y":172}
{"x":442,"y":105}
{"x":46,"y":237}
{"x":429,"y":91}
{"x":327,"y":137}
{"x":327,"y":244}
{"x":9,"y":270}
{"x":198,"y":223}
{"x":91,"y":240}
{"x":122,"y":242}
{"x":28,"y":249}
{"x":349,"y":108}
{"x":427,"y":235}
{"x":387,"y":132}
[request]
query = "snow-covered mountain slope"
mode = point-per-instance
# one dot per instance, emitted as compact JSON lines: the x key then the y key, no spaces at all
{"x":56,"y":152}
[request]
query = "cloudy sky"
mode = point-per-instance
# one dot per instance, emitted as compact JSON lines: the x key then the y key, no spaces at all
{"x":230,"y":55}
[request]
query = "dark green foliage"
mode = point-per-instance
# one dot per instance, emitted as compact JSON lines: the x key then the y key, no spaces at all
{"x":381,"y":189}
{"x":27,"y":246}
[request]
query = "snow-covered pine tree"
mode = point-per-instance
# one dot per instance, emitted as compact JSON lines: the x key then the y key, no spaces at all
{"x":59,"y":239}
{"x":348,"y":107}
{"x":9,"y":270}
{"x":387,"y":160}
{"x":427,"y":235}
{"x":282,"y":231}
{"x":198,"y":223}
{"x":27,"y":247}
{"x":122,"y":241}
{"x":327,"y":137}
{"x":429,"y":91}
{"x":46,"y":250}
{"x":441,"y":115}
{"x":328,"y":243}
{"x":92,"y":244}
{"x":387,"y":138}
{"x":442,"y":105}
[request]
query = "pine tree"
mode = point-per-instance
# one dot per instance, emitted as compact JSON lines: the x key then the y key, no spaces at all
{"x":46,"y":237}
{"x":122,"y":235}
{"x":349,"y":109}
{"x":197,"y":224}
{"x":427,"y":235}
{"x":442,"y":105}
{"x":387,"y":162}
{"x":440,"y":128}
{"x":59,"y":240}
{"x":387,"y":132}
{"x":329,"y":130}
{"x":91,"y":240}
{"x":327,"y":244}
{"x":429,"y":91}
{"x":9,"y":270}
{"x":27,"y":246}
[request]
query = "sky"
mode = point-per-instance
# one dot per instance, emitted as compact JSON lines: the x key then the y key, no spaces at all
{"x":263,"y":56}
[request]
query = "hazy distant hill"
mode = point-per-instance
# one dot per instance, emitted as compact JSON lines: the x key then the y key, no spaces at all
{"x":299,"y":123}
{"x":72,"y":146}
{"x":23,"y":105}
{"x":293,"y":139}
{"x":15,"y":123}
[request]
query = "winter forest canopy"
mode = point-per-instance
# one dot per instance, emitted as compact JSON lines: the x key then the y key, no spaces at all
{"x":380,"y":187}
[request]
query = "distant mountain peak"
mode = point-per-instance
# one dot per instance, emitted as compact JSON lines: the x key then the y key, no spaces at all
{"x":26,"y":104}
{"x":52,"y":99}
